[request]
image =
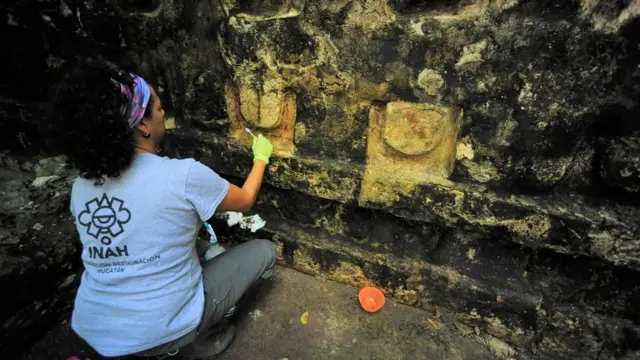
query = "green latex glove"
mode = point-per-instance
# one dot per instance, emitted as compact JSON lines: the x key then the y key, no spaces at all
{"x":262,"y":148}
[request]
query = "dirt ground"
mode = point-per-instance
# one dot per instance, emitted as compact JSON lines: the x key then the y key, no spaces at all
{"x":337,"y":328}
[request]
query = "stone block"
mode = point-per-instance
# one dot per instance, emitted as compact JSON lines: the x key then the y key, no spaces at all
{"x":270,"y":111}
{"x":408,"y":144}
{"x":413,"y":130}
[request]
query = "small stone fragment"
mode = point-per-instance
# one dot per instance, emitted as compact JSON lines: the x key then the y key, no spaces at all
{"x":304,"y":319}
{"x":38,"y":227}
{"x":472,"y":54}
{"x":471,"y":254}
{"x":464,"y":329}
{"x":11,"y":21}
{"x":64,"y":9}
{"x":68,"y":281}
{"x":51,"y":166}
{"x":500,"y":348}
{"x":170,"y":123}
{"x":464,"y":150}
{"x":435,"y":323}
{"x":255,"y":315}
{"x":430,"y":81}
{"x":44,"y":180}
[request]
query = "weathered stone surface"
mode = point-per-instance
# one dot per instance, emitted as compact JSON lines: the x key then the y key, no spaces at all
{"x":517,"y":209}
{"x":265,"y":10}
{"x":430,"y":81}
{"x":37,"y":253}
{"x":497,"y":304}
{"x":426,"y":133}
{"x":204,"y":104}
{"x":412,"y":129}
{"x":270,"y":110}
{"x":620,"y":163}
{"x":44,"y":180}
{"x":472,"y":55}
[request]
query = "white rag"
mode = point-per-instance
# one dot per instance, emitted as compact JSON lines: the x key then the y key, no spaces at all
{"x":253,"y":222}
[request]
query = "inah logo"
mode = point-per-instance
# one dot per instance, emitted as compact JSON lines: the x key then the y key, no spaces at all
{"x":104,"y":217}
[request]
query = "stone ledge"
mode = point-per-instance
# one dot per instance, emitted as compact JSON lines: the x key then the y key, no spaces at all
{"x":568,"y":224}
{"x":491,"y":258}
{"x":515,"y":316}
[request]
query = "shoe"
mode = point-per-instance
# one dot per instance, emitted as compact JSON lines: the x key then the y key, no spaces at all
{"x":230,"y":312}
{"x":210,"y":347}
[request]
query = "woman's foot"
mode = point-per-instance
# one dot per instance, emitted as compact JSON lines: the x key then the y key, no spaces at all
{"x":210,"y":347}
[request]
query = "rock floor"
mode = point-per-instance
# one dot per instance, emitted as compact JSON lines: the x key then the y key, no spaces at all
{"x":337,"y":329}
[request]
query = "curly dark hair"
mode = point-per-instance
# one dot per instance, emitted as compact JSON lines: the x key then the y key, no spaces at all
{"x":88,"y":125}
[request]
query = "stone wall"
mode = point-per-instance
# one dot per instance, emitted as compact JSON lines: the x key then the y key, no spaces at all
{"x":39,"y":256}
{"x":477,"y":155}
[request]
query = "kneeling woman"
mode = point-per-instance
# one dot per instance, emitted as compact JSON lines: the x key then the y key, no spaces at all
{"x":143,"y":290}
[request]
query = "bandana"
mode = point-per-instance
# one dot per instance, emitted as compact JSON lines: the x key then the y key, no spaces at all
{"x":138,"y":97}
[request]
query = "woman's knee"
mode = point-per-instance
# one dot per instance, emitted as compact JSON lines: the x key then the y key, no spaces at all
{"x":268,"y":248}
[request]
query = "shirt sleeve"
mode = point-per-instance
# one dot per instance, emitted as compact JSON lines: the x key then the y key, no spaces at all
{"x":72,"y":209}
{"x":205,"y":189}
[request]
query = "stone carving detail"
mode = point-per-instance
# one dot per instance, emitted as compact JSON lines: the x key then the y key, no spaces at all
{"x":266,"y":111}
{"x":272,"y":112}
{"x":413,"y":129}
{"x":408,"y":144}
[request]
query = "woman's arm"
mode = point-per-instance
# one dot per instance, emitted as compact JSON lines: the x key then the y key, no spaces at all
{"x":243,"y":199}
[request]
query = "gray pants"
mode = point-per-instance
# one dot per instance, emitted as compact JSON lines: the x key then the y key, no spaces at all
{"x":225,"y":278}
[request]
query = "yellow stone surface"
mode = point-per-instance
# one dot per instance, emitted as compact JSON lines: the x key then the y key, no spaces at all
{"x":408,"y":144}
{"x":250,"y":105}
{"x":270,"y":110}
{"x":413,"y":129}
{"x":464,"y":149}
{"x":431,"y":81}
{"x":272,"y":114}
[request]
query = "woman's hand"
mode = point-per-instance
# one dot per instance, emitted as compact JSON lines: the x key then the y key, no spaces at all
{"x":262,"y":148}
{"x":242,"y":199}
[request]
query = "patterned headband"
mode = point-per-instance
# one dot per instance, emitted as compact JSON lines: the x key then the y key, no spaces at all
{"x":138,"y":97}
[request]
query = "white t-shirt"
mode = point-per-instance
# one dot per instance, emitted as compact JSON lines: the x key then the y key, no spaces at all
{"x":142,"y":284}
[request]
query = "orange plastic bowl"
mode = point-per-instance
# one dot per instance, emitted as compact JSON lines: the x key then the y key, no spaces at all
{"x":371,"y":299}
